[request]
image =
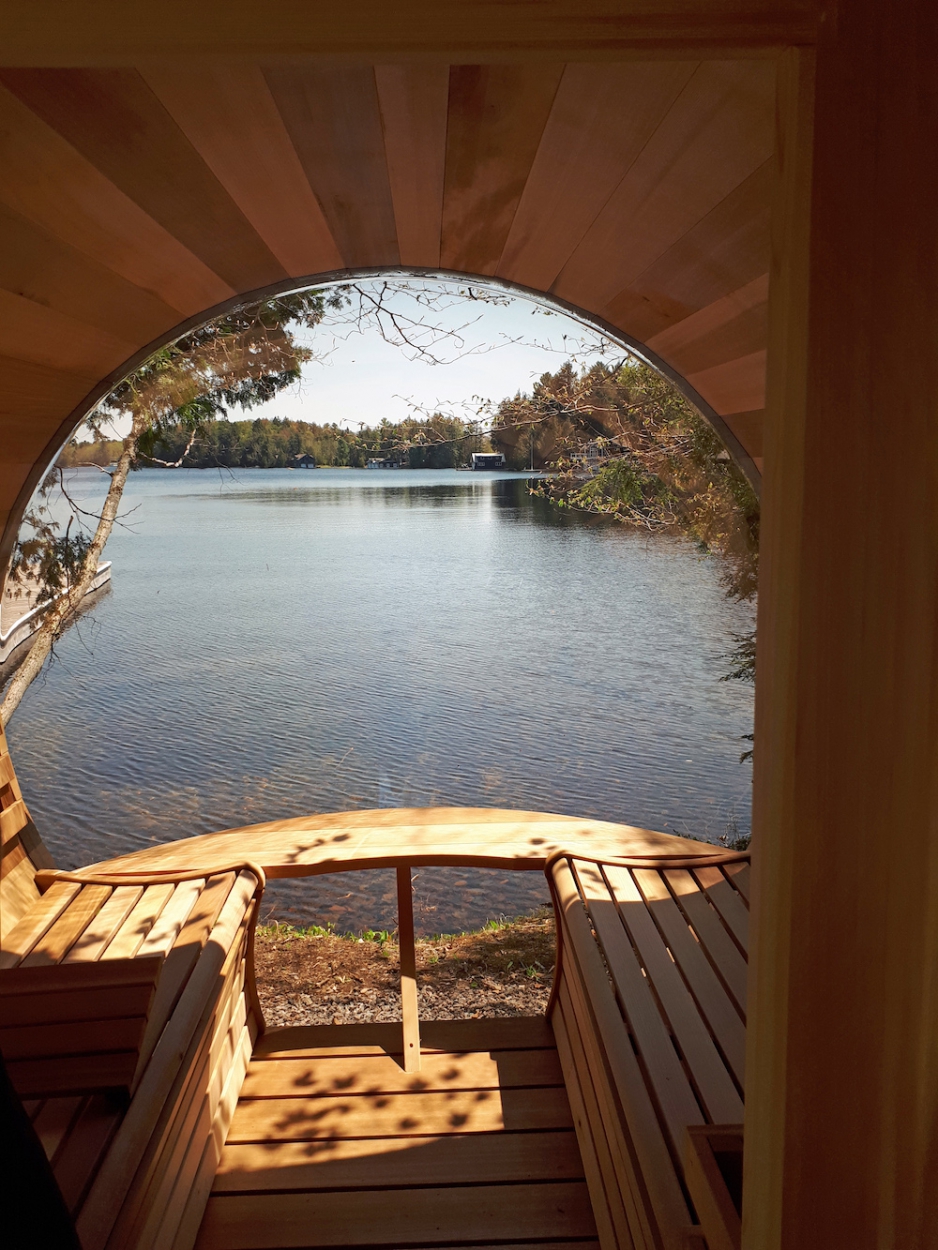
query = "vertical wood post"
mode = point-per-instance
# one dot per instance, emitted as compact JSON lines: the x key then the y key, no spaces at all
{"x":842,"y":1062}
{"x":410,"y":1014}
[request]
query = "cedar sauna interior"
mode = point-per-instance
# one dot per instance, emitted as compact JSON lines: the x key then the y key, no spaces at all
{"x":747,"y":189}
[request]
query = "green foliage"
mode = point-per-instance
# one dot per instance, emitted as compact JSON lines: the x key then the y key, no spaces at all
{"x":50,"y":561}
{"x":101,"y":453}
{"x":656,"y":463}
{"x":273,"y":443}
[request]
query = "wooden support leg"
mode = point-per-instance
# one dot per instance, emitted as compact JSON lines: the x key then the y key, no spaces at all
{"x":405,"y":935}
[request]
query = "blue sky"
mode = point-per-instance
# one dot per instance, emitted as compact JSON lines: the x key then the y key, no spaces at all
{"x":489,"y":351}
{"x":486,"y":351}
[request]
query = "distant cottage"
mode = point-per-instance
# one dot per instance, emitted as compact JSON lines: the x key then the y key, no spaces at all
{"x":488,"y":460}
{"x":303,"y":460}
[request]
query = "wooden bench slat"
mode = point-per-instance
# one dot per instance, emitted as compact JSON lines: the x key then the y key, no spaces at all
{"x":200,"y":1188}
{"x":83,"y":1037}
{"x":714,"y":1084}
{"x":140,"y":920}
{"x":16,"y":825}
{"x":85,"y":1145}
{"x":143,"y":1214}
{"x":675,"y":1097}
{"x":94,"y":941}
{"x":398,"y":1217}
{"x":166,"y":929}
{"x":740,"y":876}
{"x":66,"y":1074}
{"x":39,"y":919}
{"x":719,"y":1009}
{"x":113,"y":1180}
{"x":99,"y":1003}
{"x":444,"y":1036}
{"x":187,"y":946}
{"x":69,"y":927}
{"x":151,"y":1214}
{"x":603,"y":1160}
{"x":727,"y":902}
{"x":717,"y":943}
{"x":648,"y":1142}
{"x":54,"y":1120}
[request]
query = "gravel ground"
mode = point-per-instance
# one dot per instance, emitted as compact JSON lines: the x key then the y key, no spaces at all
{"x":312,"y":977}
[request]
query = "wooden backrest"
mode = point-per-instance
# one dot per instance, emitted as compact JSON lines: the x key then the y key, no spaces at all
{"x":22,"y":852}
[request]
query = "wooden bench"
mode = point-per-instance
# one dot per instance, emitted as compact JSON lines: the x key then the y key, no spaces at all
{"x":127,"y":1017}
{"x":648,"y":1009}
{"x":132,"y":1095}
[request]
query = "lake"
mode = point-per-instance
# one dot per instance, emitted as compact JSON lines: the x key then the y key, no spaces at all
{"x":281,"y":642}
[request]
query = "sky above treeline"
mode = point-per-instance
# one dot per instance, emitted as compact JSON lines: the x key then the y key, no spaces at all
{"x":487,"y":351}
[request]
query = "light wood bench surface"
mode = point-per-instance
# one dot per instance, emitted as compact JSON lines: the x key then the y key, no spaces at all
{"x":127,"y":1017}
{"x":649,"y":1011}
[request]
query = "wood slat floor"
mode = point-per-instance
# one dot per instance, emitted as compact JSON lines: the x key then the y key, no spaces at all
{"x":334,"y":1145}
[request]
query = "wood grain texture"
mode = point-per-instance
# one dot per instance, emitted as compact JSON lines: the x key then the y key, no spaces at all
{"x":371,"y":1155}
{"x":47,"y":182}
{"x":39,"y":918}
{"x":420,"y":1216}
{"x":54,"y":34}
{"x":636,"y":974}
{"x":354,"y":1163}
{"x":715,"y":136}
{"x":321,"y":1075}
{"x":600,"y":120}
{"x":333,"y":119}
{"x":115,"y":120}
{"x":497,"y":116}
{"x":414,"y":107}
{"x":255,"y":162}
{"x":388,"y":837}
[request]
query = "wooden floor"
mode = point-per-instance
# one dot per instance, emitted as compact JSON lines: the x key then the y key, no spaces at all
{"x":333,"y":1144}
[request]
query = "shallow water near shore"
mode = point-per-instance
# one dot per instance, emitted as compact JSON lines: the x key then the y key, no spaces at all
{"x":276,"y":643}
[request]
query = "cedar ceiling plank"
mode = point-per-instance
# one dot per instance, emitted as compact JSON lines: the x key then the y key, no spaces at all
{"x":601,"y":119}
{"x":743,"y":335}
{"x":749,"y":428}
{"x":230,"y":118}
{"x":113,"y":32}
{"x":113,"y":118}
{"x":736,"y":386}
{"x":33,"y":398}
{"x":37,"y":333}
{"x":46,"y":181}
{"x":39,"y":267}
{"x":497,"y":116}
{"x":414,"y":102}
{"x":719,"y":131}
{"x":334,"y":122}
{"x":709,"y":319}
{"x":723,"y":252}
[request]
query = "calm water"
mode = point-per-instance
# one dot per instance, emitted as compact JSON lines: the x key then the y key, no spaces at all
{"x":277,"y":643}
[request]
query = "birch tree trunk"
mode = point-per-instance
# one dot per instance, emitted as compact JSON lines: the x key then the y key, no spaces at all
{"x":62,"y":609}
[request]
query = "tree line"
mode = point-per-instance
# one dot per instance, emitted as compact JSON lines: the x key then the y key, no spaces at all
{"x":436,"y":442}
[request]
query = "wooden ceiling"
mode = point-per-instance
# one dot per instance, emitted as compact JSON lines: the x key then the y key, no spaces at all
{"x":135,"y":196}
